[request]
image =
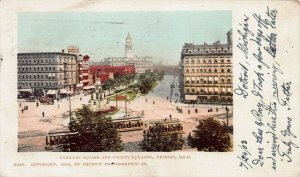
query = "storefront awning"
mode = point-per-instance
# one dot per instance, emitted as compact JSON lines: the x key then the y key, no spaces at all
{"x":79,"y":85}
{"x":51,"y":92}
{"x":190,"y":97}
{"x":63,"y":91}
{"x":25,"y":90}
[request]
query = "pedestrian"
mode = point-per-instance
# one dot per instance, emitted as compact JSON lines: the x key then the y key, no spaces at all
{"x":37,"y":104}
{"x":189,"y":111}
{"x":196,"y":111}
{"x":170,"y":116}
{"x":146,"y":100}
{"x":58,"y":106}
{"x":43,"y":114}
{"x":153,"y":102}
{"x":20,"y":104}
{"x":216,"y":109}
{"x":193,"y":105}
{"x":80,"y":98}
{"x":142,"y":112}
{"x":22,"y":111}
{"x":167,"y":98}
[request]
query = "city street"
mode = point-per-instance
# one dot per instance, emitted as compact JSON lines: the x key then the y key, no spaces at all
{"x":33,"y":126}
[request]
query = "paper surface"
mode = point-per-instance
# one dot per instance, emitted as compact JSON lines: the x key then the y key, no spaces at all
{"x":266,"y":97}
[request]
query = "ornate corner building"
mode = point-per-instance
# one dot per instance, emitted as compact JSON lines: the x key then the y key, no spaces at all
{"x":206,"y":72}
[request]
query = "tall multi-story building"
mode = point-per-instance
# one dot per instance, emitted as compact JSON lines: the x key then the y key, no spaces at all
{"x":141,"y":64}
{"x":47,"y":72}
{"x":85,"y":71}
{"x":206,"y":72}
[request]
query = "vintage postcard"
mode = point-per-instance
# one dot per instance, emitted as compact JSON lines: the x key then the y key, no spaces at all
{"x":158,"y":88}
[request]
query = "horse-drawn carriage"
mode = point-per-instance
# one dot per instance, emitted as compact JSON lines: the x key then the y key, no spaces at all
{"x":46,"y":100}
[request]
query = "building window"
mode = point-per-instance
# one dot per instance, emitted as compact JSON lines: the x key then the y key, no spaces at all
{"x":222,"y":70}
{"x":222,"y":61}
{"x":209,"y":70}
{"x":215,"y":61}
{"x":228,"y":61}
{"x":228,"y":70}
{"x":53,"y":68}
{"x":215,"y":70}
{"x":209,"y":61}
{"x":187,"y":62}
{"x":228,"y":81}
{"x":187,"y":71}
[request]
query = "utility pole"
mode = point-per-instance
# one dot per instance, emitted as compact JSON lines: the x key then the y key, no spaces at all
{"x":70,"y":108}
{"x":126,"y":101}
{"x":227,"y":111}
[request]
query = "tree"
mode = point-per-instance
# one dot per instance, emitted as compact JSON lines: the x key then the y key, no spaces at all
{"x":211,"y":136}
{"x":161,"y":141}
{"x":92,"y":133}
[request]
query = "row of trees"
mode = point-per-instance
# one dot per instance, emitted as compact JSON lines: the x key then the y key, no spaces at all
{"x":120,"y":80}
{"x":148,"y":79}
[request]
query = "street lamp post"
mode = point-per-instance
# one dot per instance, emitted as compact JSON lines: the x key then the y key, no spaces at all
{"x":70,"y":107}
{"x":116,"y":98}
{"x":126,"y":101}
{"x":227,"y":111}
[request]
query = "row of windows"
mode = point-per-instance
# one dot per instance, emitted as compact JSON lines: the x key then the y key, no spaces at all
{"x":206,"y":50}
{"x":35,"y":61}
{"x":37,"y":76}
{"x":43,"y":76}
{"x":208,"y":90}
{"x":201,"y":81}
{"x":209,"y":78}
{"x":204,"y":61}
{"x":209,"y":70}
{"x":37,"y":68}
{"x":38,"y":84}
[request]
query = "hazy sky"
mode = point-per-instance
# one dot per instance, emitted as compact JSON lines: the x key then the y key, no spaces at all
{"x":102,"y":34}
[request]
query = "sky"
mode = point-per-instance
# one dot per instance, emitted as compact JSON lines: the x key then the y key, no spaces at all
{"x":102,"y":34}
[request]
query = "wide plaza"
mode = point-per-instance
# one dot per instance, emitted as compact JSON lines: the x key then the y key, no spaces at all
{"x":161,"y":103}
